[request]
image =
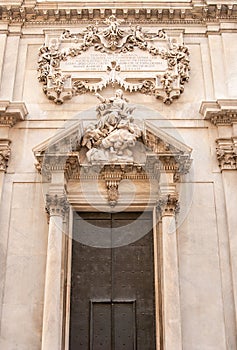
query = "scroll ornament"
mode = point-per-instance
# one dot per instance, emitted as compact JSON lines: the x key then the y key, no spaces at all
{"x":167,"y":85}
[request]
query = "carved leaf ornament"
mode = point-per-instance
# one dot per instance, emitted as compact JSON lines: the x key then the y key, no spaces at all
{"x":164,"y":62}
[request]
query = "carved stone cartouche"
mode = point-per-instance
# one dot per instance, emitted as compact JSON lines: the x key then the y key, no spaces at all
{"x":166,"y":85}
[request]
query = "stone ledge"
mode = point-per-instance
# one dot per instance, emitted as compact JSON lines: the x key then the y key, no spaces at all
{"x":12,"y":112}
{"x":220,"y":112}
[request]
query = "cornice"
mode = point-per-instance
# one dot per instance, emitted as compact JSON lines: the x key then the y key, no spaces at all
{"x":220,"y":112}
{"x":12,"y":112}
{"x":66,"y":12}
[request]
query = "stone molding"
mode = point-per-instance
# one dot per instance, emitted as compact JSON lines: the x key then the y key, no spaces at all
{"x":57,"y":12}
{"x":227,"y":153}
{"x":12,"y":112}
{"x":220,"y":112}
{"x":168,"y":205}
{"x":56,"y":205}
{"x":5,"y":153}
{"x":115,"y":147}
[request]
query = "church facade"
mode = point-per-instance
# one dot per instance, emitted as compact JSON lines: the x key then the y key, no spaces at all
{"x":118,"y":175}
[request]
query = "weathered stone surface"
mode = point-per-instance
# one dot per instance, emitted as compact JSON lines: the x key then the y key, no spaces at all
{"x":201,"y":303}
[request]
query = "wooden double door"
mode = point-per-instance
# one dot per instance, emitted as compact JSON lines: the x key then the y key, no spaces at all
{"x":112,"y":286}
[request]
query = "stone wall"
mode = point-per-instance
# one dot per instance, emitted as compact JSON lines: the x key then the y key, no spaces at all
{"x":207,"y":220}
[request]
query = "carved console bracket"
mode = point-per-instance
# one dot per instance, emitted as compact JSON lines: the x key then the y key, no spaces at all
{"x":220,"y":112}
{"x":88,"y":61}
{"x":12,"y":112}
{"x":5,"y":153}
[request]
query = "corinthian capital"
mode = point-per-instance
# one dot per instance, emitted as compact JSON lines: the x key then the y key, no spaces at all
{"x":168,"y":205}
{"x":56,"y":205}
{"x":226,"y":152}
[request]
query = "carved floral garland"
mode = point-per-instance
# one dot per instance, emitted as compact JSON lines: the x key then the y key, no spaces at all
{"x":112,"y":39}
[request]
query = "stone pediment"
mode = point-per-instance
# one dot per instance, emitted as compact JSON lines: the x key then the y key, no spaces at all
{"x":112,"y":148}
{"x":116,"y":140}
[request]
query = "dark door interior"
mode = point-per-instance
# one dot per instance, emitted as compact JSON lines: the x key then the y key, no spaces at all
{"x":112,"y":286}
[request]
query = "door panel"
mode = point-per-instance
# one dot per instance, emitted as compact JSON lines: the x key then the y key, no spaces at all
{"x":108,"y":282}
{"x":101,"y":325}
{"x":124,"y":329}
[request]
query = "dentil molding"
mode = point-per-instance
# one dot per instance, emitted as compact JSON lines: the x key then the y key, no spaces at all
{"x":220,"y":112}
{"x":57,"y":12}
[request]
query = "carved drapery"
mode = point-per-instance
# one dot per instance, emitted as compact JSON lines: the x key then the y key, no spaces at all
{"x":166,"y":83}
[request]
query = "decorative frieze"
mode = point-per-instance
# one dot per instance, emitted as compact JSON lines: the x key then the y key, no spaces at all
{"x":227,"y":153}
{"x":168,"y":205}
{"x":56,"y":205}
{"x":98,"y":56}
{"x":35,"y":12}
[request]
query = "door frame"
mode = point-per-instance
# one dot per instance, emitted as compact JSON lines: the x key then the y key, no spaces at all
{"x":157,"y":260}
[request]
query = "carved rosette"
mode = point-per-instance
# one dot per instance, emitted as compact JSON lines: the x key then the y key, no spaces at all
{"x":226,"y":152}
{"x":168,"y":205}
{"x":56,"y":205}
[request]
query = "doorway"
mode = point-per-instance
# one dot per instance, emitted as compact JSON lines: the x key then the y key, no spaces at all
{"x":112,"y":283}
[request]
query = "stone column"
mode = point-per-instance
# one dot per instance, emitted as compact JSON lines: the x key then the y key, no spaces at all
{"x":172,"y":338}
{"x":227,"y":157}
{"x":56,"y":206}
